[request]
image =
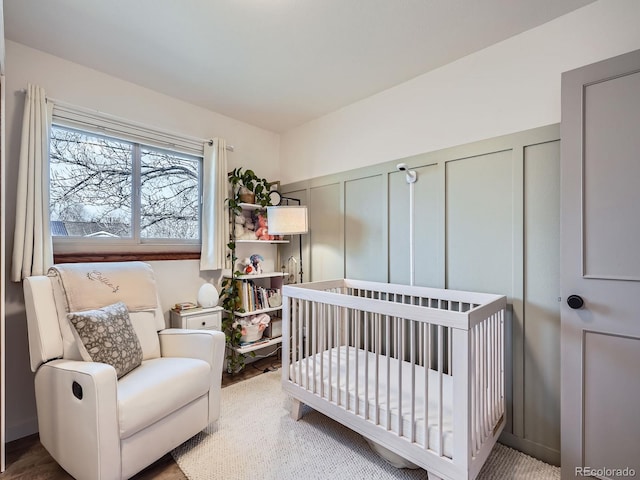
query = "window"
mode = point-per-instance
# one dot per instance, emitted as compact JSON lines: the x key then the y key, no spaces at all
{"x":117,"y":194}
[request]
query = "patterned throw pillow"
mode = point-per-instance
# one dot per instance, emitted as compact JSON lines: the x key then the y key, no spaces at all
{"x":106,"y":335}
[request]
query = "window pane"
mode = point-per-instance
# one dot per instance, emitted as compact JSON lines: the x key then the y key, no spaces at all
{"x":90,"y":184}
{"x":169,"y":195}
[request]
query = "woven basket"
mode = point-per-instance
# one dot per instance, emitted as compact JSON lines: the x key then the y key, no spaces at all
{"x":246,"y":195}
{"x":252,"y":333}
{"x":247,"y":198}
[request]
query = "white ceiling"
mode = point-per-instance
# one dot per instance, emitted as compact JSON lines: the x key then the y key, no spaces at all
{"x":275,"y":64}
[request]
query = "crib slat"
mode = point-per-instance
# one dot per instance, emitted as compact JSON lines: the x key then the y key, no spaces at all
{"x":427,"y":363}
{"x":378,"y":337}
{"x":478,"y":391}
{"x":366,"y":365}
{"x":400,"y":343}
{"x":490,"y":376}
{"x":357,"y":340}
{"x":502,"y":386}
{"x":388,"y":379}
{"x":497,"y":372}
{"x":302,"y":318}
{"x":483,"y":363}
{"x":336,"y":314}
{"x":339,"y":346}
{"x":440,"y":389}
{"x":472,"y":388}
{"x":412,"y":347}
{"x":326,"y":341}
{"x":302,"y":306}
{"x":349,"y":320}
{"x":305,"y":332}
{"x":320,"y":327}
{"x":481,"y":418}
{"x":493,"y":369}
{"x":449,"y":351}
{"x":314,"y":342}
{"x":295,"y":354}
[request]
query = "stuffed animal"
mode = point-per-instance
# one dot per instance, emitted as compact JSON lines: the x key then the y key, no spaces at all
{"x":238,"y":226}
{"x":262,"y":232}
{"x":243,"y":228}
{"x":247,"y":267}
{"x":256,"y":262}
{"x":252,"y":265}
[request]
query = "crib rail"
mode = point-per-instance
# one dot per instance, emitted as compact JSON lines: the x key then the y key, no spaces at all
{"x":400,"y":358}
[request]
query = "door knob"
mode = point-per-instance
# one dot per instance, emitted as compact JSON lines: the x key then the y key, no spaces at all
{"x":575,"y":301}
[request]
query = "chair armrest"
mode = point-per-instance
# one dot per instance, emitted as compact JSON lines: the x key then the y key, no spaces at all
{"x":207,"y":345}
{"x":89,"y":424}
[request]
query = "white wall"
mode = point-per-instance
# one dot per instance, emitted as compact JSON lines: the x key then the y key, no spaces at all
{"x":62,"y":80}
{"x":509,"y":87}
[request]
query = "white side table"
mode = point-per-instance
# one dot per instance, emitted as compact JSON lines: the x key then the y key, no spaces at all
{"x":197,"y":318}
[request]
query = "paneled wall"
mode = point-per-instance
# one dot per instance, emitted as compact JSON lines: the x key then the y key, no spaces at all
{"x":486,"y":219}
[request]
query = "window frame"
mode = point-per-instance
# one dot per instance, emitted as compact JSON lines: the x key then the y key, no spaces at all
{"x":141,"y":137}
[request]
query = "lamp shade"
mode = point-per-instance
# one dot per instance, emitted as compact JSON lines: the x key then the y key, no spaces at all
{"x":287,"y":220}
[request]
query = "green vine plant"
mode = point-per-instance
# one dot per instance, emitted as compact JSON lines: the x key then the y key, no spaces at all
{"x":247,"y":179}
{"x":239,"y":180}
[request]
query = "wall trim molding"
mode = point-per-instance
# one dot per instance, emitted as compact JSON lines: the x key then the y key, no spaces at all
{"x":476,"y":201}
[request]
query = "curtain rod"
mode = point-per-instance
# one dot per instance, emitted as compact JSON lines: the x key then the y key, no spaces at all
{"x":229,"y":148}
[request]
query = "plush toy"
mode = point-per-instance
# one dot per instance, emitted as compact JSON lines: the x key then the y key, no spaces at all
{"x":262,"y":232}
{"x":256,"y":262}
{"x":243,"y":228}
{"x":238,"y":226}
{"x":252,"y":265}
{"x":247,"y":267}
{"x":247,"y":235}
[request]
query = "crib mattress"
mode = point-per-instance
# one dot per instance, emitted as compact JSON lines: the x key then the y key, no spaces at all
{"x":331,"y":374}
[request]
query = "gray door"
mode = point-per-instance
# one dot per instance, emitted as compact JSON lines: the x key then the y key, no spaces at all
{"x":600,"y":261}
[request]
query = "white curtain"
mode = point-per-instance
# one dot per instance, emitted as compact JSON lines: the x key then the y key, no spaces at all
{"x":32,"y":247}
{"x":215,"y":214}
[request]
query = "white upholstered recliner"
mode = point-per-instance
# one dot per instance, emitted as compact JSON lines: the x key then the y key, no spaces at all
{"x":97,"y":426}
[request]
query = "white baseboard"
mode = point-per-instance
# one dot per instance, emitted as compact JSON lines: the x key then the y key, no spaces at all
{"x":536,"y":450}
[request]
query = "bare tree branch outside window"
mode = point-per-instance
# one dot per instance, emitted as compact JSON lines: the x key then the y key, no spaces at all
{"x":93,"y":183}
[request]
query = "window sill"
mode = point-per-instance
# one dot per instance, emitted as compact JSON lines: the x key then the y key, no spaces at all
{"x":79,"y":257}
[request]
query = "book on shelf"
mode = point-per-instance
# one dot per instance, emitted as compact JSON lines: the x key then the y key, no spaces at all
{"x":257,"y":342}
{"x":182,"y":306}
{"x":254,"y":297}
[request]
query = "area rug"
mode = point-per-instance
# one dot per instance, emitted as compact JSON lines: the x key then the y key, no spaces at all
{"x":256,"y":438}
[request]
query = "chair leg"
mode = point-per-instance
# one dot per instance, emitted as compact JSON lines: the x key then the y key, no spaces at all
{"x":296,"y":409}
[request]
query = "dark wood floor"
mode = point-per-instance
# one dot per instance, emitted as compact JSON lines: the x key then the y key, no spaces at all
{"x":27,"y":458}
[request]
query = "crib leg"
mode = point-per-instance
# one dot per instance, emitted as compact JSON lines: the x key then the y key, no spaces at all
{"x":296,"y":409}
{"x":433,"y":477}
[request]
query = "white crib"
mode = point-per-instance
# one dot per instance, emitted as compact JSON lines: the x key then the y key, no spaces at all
{"x":417,"y":371}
